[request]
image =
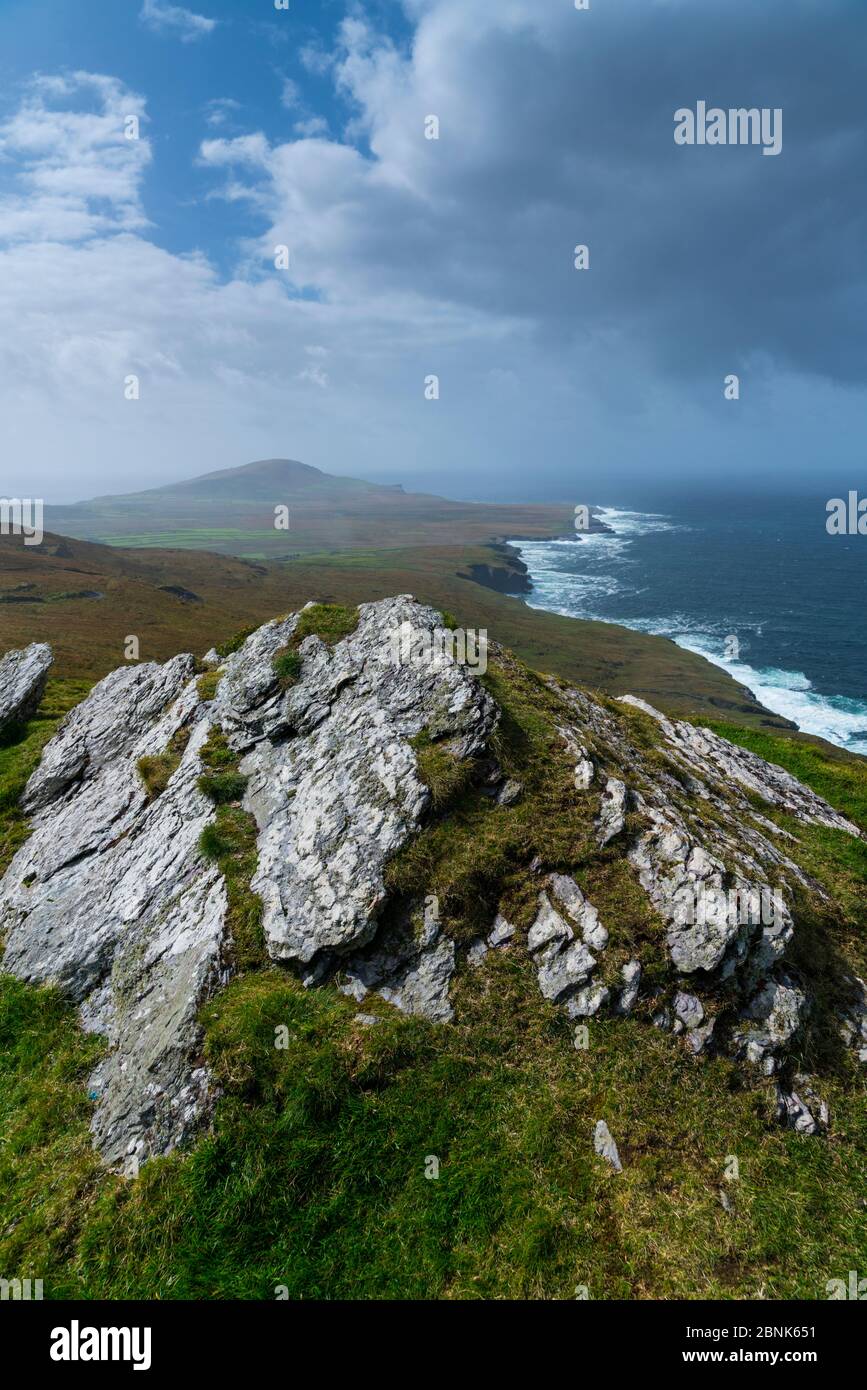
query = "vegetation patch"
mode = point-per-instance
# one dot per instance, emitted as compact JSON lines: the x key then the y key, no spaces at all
{"x":207,"y":684}
{"x":314,"y":1177}
{"x":155,"y":771}
{"x":443,"y":773}
{"x":287,"y":666}
{"x":329,"y":621}
{"x":475,"y":856}
{"x":230,"y":841}
{"x":222,"y":787}
{"x":235,"y":643}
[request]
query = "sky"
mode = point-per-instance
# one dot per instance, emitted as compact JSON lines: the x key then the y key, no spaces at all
{"x":305,"y":128}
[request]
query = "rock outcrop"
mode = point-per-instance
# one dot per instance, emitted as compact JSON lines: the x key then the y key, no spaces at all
{"x":23,"y":675}
{"x":115,"y":900}
{"x":112,"y":899}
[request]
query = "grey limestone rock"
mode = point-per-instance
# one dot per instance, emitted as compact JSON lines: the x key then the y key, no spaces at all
{"x":562,"y":963}
{"x":336,"y":800}
{"x":612,"y":811}
{"x":409,"y":966}
{"x":23,"y":675}
{"x":631,"y":976}
{"x":801,"y":1110}
{"x":771,"y":1019}
{"x":111,"y":899}
{"x":587,"y":1001}
{"x":605,"y":1146}
{"x":501,"y":932}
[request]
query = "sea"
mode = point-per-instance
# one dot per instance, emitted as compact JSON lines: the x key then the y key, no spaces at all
{"x":760,"y":589}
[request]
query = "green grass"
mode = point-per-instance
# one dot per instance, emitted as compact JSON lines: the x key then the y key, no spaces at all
{"x":207,"y":684}
{"x":192,"y":537}
{"x":476,"y":856}
{"x":442,"y":772}
{"x":155,"y":771}
{"x":236,"y":642}
{"x":222,"y":787}
{"x":313,"y":1177}
{"x":287,"y":666}
{"x":330,"y":621}
{"x":230,"y":840}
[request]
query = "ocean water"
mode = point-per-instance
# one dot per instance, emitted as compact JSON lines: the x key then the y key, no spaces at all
{"x":762,"y":590}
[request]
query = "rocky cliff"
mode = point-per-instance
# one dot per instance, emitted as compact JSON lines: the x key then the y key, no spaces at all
{"x":271,"y":808}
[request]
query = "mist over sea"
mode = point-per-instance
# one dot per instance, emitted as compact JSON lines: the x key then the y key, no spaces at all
{"x":703,"y":572}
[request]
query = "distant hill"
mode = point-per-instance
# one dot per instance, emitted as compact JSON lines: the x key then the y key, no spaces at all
{"x":232,"y":511}
{"x":260,"y":481}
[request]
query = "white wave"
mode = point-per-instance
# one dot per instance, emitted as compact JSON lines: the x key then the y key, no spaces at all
{"x":837,"y":718}
{"x":625,"y":523}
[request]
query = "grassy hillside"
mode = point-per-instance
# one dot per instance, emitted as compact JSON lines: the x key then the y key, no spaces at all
{"x":187,"y":600}
{"x":232,"y":512}
{"x":314,"y":1178}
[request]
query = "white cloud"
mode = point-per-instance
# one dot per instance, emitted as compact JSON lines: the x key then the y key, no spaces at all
{"x":221,"y":111}
{"x":307,"y":123}
{"x":290,"y":94}
{"x":311,"y":126}
{"x":410,"y":257}
{"x":228,"y":369}
{"x":77,"y":173}
{"x":188,"y":26}
{"x":315,"y":374}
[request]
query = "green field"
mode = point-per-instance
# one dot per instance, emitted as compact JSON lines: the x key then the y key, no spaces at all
{"x":196,"y":538}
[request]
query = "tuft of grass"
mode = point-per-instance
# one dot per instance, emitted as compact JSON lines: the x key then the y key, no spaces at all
{"x":213,"y":844}
{"x":330,"y":621}
{"x":156,"y":770}
{"x":287,"y":666}
{"x":236,"y":642}
{"x":444,"y":774}
{"x":230,"y":841}
{"x":222,"y":787}
{"x":207,"y":684}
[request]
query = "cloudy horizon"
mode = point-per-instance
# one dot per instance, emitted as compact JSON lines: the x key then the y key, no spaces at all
{"x":255,"y":129}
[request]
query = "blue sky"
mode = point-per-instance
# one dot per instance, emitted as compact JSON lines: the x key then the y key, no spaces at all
{"x":237,"y":72}
{"x":411,"y":257}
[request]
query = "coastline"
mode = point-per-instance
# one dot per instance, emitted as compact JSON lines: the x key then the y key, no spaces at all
{"x":788,"y":694}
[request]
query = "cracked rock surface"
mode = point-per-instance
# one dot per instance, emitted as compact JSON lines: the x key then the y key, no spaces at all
{"x":23,"y":675}
{"x":336,"y":800}
{"x":112,"y":900}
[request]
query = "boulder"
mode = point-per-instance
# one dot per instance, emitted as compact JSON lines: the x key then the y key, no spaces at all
{"x":23,"y":676}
